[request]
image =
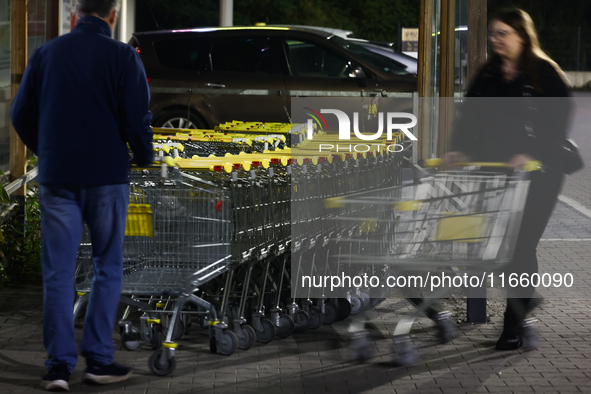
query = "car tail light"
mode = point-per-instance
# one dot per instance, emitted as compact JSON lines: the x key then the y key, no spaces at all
{"x":149,"y":79}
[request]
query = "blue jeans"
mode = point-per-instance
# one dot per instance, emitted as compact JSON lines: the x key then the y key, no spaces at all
{"x":63,"y":210}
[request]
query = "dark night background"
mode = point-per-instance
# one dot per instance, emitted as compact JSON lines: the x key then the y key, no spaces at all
{"x":557,"y":22}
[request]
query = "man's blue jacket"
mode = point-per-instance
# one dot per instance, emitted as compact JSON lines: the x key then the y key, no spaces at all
{"x":83,"y":98}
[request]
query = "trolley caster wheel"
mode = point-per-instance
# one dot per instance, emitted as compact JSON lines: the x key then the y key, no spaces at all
{"x":447,"y":330}
{"x":188,"y":323}
{"x":179,"y":328}
{"x":530,"y":338}
{"x":301,"y":320}
{"x":130,"y":341}
{"x":156,"y":338}
{"x":360,"y":344}
{"x":286,"y":326}
{"x":248,"y":337}
{"x":343,"y":309}
{"x":330,"y":313}
{"x":213,"y":347}
{"x":268,"y":331}
{"x":376,"y":301}
{"x":228,"y":344}
{"x":316,"y":317}
{"x":161,"y":365}
{"x":407,"y":353}
{"x":356,"y":305}
{"x":365,"y":301}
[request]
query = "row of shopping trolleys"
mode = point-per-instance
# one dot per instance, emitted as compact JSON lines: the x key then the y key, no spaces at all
{"x":210,"y":240}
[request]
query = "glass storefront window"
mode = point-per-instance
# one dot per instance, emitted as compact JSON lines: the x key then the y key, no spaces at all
{"x":38,"y":34}
{"x":4,"y":84}
{"x":37,"y":26}
{"x":461,"y":48}
{"x":435,"y":70}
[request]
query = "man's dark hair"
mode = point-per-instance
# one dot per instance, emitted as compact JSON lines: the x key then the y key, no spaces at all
{"x":100,"y":7}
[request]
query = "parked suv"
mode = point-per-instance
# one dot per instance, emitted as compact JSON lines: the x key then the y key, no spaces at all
{"x":234,"y":60}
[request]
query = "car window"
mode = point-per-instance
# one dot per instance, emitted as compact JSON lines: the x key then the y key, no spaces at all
{"x":180,"y":53}
{"x":311,"y":60}
{"x":381,"y":61}
{"x":244,"y":55}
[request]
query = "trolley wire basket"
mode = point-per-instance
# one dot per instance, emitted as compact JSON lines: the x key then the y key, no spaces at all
{"x":450,"y":224}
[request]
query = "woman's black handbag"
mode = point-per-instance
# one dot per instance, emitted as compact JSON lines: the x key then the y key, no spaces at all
{"x":570,"y":156}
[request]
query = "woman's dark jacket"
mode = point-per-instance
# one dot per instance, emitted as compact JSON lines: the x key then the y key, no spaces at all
{"x":500,"y":119}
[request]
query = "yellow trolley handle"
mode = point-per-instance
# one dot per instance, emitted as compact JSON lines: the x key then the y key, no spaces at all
{"x":533,"y":165}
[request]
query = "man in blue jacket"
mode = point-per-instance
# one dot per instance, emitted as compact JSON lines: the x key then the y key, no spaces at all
{"x":82,"y":103}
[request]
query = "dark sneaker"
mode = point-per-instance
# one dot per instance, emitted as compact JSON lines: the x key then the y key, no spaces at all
{"x":104,"y":374}
{"x":509,"y":342}
{"x":57,"y":379}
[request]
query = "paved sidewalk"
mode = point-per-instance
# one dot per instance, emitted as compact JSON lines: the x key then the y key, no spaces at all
{"x":321,"y":360}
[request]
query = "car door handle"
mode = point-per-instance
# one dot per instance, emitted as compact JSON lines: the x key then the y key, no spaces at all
{"x":215,"y":85}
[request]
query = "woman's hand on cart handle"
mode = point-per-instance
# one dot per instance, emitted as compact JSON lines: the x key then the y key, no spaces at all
{"x":531,"y":165}
{"x":451,"y":159}
{"x":521,"y":162}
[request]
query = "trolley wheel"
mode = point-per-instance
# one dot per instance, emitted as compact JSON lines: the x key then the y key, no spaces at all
{"x":365,"y":301}
{"x":301,"y":321}
{"x":330,"y":313}
{"x":157,"y":337}
{"x":130,"y":341}
{"x":531,"y":338}
{"x":249,"y":336}
{"x":356,"y":305}
{"x":159,"y":365}
{"x":286,"y":326}
{"x":407,"y":353}
{"x":343,"y":309}
{"x":376,"y":301}
{"x":146,"y":336}
{"x":179,"y":327}
{"x":316,"y":317}
{"x":361,"y":346}
{"x":268,"y":332}
{"x":188,"y":323}
{"x":228,"y":344}
{"x":213,"y":348}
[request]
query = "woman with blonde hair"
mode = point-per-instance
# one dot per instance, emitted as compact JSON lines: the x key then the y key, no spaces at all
{"x":521,"y":127}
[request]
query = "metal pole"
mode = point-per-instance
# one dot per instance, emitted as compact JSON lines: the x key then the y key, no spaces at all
{"x":122,"y":22}
{"x":399,"y":37}
{"x":579,"y":49}
{"x":226,"y":12}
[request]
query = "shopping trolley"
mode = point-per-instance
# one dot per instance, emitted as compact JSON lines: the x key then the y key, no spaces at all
{"x":447,"y":223}
{"x":178,"y":237}
{"x":314,"y":181}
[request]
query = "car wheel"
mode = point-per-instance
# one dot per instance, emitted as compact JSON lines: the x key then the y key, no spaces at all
{"x":178,"y":119}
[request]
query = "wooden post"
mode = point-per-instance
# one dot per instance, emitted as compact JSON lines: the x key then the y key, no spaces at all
{"x":18,"y":62}
{"x":52,"y":27}
{"x":425,"y":82}
{"x":477,"y":36}
{"x":446,"y":74}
